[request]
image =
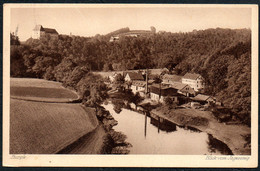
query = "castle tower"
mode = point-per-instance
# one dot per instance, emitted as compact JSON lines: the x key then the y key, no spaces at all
{"x":37,"y":32}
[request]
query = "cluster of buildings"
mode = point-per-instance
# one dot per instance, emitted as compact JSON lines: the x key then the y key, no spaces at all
{"x":177,"y":87}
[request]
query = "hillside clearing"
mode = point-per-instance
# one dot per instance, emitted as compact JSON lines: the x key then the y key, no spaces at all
{"x":34,"y":82}
{"x":57,"y":94}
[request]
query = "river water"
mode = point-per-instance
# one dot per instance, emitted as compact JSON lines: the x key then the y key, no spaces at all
{"x":163,"y":138}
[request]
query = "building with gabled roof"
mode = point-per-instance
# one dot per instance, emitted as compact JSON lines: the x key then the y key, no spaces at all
{"x":134,"y":76}
{"x":184,"y":89}
{"x":195,"y":81}
{"x":39,"y":31}
{"x":169,"y":79}
{"x":204,"y":98}
{"x":158,"y":92}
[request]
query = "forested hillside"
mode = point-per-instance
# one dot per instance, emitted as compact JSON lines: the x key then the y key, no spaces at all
{"x":221,"y":56}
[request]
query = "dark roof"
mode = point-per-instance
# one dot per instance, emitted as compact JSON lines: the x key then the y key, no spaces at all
{"x":164,"y":90}
{"x":191,"y":76}
{"x":175,"y":78}
{"x":50,"y":30}
{"x":133,"y":32}
{"x":202,"y":97}
{"x":135,"y":76}
{"x":46,"y":30}
{"x":178,"y":86}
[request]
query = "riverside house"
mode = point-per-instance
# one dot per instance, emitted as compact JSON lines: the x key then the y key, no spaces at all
{"x":195,"y":81}
{"x":139,"y":86}
{"x":159,"y":92}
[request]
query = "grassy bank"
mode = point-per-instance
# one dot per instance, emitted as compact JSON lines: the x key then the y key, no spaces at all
{"x":232,"y":135}
{"x":38,"y":127}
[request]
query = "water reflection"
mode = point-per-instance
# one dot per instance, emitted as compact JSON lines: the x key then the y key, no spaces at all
{"x":163,"y":125}
{"x":216,"y":145}
{"x":157,"y":136}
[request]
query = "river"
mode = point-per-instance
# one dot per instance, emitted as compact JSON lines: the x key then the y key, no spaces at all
{"x":165,"y":137}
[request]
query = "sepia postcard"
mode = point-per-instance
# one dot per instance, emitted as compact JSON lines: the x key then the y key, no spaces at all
{"x":130,"y":85}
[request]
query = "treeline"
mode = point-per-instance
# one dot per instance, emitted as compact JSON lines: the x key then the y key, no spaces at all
{"x":221,"y":56}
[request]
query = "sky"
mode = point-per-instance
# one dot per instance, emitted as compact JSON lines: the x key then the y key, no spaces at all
{"x":91,"y":21}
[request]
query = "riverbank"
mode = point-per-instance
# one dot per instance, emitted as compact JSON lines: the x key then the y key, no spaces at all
{"x":234,"y":136}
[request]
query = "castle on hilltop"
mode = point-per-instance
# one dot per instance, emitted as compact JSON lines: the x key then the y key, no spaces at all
{"x":132,"y":33}
{"x":39,"y":32}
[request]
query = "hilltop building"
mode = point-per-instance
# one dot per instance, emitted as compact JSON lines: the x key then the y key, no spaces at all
{"x":39,"y":32}
{"x":132,"y":33}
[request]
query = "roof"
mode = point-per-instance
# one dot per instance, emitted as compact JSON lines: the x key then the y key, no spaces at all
{"x":139,"y":83}
{"x":158,"y":71}
{"x":175,"y":78}
{"x":134,"y":32}
{"x":178,"y":86}
{"x":202,"y":97}
{"x":191,"y":76}
{"x":46,"y":30}
{"x":50,"y":30}
{"x":135,"y":76}
{"x":164,"y":90}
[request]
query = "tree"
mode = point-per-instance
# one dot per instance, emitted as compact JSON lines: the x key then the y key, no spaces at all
{"x":118,"y":105}
{"x":119,"y":82}
{"x":153,"y":30}
{"x":14,"y":40}
{"x":106,"y":67}
{"x":157,"y":79}
{"x":136,"y":99}
{"x":169,"y":102}
{"x":92,"y":89}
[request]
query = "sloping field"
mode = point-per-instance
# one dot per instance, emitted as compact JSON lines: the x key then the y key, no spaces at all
{"x":34,"y":82}
{"x":46,"y":128}
{"x":40,"y":90}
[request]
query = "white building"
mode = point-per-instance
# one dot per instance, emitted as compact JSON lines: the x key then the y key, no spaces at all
{"x":138,"y":86}
{"x":195,"y":81}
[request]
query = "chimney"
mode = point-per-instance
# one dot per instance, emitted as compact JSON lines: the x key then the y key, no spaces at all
{"x":160,"y":85}
{"x":146,"y":87}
